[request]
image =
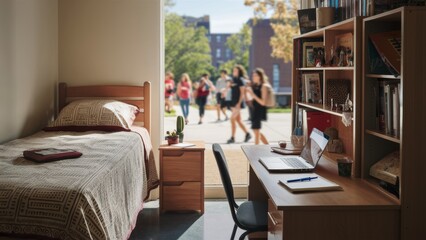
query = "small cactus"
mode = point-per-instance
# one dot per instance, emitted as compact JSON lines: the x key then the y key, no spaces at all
{"x":180,"y":125}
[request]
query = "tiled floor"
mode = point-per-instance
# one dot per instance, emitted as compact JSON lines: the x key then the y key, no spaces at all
{"x":215,"y":224}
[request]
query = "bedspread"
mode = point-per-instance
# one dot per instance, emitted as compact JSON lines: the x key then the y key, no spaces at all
{"x":96,"y":196}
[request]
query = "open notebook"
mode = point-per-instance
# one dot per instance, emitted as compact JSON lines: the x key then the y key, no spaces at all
{"x":318,"y":184}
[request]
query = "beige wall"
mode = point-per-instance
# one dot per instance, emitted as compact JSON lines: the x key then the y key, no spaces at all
{"x":113,"y":42}
{"x":28,"y":65}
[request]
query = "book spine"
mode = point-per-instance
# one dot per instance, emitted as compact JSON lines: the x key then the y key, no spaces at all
{"x":389,"y":109}
{"x":396,"y":114}
{"x":382,"y":107}
{"x":302,"y":89}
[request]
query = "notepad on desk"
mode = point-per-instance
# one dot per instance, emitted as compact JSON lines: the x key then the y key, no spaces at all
{"x":183,"y":145}
{"x":317,"y":183}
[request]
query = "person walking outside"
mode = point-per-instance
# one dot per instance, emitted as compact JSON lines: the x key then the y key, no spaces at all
{"x":220,"y":85}
{"x":248,"y":99}
{"x":184,"y":92}
{"x":238,"y":92}
{"x":227,"y":95}
{"x":259,"y":92}
{"x":203,"y":91}
{"x":169,"y":84}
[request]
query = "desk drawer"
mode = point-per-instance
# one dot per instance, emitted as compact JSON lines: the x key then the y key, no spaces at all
{"x":275,"y":222}
{"x":181,"y":196}
{"x":181,"y":166}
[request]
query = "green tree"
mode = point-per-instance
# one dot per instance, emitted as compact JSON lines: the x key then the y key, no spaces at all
{"x":187,"y":48}
{"x":283,"y":21}
{"x":239,"y":44}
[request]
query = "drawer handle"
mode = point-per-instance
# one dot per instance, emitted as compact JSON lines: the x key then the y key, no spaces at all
{"x":272,"y":219}
{"x":173,"y":183}
{"x":174,"y":154}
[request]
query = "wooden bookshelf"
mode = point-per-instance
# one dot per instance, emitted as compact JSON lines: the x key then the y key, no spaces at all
{"x":320,"y":107}
{"x":376,"y":184}
{"x":384,"y":76}
{"x":326,"y":68}
{"x":350,"y":136}
{"x":383,"y":135}
{"x":376,"y":144}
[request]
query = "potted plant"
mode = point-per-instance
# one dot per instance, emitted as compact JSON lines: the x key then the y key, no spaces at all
{"x":172,"y":137}
{"x":180,"y":124}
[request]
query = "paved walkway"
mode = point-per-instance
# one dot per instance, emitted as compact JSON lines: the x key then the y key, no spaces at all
{"x":211,"y":131}
{"x":276,"y":128}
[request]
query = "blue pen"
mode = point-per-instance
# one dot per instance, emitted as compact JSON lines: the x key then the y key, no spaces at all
{"x":301,"y":179}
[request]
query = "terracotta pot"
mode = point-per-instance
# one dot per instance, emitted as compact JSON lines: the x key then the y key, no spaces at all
{"x":172,"y":140}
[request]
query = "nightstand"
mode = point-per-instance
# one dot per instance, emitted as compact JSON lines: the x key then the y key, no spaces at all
{"x":182,"y":178}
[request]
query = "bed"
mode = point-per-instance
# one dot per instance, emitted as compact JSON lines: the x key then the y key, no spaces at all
{"x":96,"y":196}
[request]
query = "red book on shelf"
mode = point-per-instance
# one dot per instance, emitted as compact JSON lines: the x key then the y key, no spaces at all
{"x":50,"y":154}
{"x":315,"y":119}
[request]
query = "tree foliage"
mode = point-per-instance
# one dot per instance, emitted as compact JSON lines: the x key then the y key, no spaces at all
{"x":239,"y":44}
{"x":283,"y":21}
{"x":187,"y":49}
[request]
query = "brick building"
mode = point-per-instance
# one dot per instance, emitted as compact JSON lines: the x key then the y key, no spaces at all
{"x":219,"y":51}
{"x":203,"y":21}
{"x":277,"y":70}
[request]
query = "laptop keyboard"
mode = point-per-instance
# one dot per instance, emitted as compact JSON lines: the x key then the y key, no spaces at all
{"x":293,"y":162}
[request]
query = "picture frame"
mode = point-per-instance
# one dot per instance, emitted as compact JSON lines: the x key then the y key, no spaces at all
{"x":307,"y":20}
{"x":313,"y":92}
{"x":310,"y":53}
{"x":344,"y":46}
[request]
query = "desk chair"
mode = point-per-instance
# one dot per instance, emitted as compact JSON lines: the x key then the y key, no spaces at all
{"x":250,"y":216}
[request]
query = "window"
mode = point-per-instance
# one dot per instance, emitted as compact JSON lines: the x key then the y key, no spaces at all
{"x":210,"y":38}
{"x":276,"y":77}
{"x":218,"y":53}
{"x":218,"y":38}
{"x":228,"y":53}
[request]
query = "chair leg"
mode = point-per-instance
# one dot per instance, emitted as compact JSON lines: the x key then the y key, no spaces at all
{"x":243,"y":236}
{"x":234,"y":231}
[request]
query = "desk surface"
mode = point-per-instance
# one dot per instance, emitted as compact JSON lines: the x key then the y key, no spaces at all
{"x":356,"y":192}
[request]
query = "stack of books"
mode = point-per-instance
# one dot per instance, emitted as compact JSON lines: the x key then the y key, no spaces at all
{"x":389,"y":103}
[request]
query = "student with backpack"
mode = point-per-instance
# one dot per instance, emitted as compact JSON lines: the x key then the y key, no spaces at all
{"x":261,"y":91}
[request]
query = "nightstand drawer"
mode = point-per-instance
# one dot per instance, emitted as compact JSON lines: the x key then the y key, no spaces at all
{"x":185,"y":196}
{"x":181,"y":166}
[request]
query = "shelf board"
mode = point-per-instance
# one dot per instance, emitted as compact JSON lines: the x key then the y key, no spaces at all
{"x":320,"y":107}
{"x":375,"y":184}
{"x":346,"y":25}
{"x":383,"y":135}
{"x":383,"y":76}
{"x":326,"y":68}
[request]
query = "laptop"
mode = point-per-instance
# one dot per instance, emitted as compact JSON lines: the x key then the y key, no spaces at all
{"x":305,"y":162}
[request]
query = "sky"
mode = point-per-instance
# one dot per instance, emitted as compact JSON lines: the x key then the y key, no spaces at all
{"x":226,"y":16}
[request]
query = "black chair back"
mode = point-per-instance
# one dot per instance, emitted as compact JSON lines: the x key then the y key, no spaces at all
{"x":226,"y":179}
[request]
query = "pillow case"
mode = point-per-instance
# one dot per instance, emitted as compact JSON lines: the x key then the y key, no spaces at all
{"x":95,"y":115}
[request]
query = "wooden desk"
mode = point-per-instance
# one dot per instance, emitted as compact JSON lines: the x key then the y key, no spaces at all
{"x":358,"y":212}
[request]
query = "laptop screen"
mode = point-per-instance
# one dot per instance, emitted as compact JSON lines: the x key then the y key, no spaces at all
{"x":314,"y":147}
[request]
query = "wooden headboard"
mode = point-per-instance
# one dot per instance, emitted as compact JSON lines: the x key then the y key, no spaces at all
{"x":136,"y":95}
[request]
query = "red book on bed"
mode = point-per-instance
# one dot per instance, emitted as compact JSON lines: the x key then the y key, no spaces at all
{"x":50,"y":154}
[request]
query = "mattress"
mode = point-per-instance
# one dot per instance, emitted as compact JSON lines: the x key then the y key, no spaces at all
{"x":96,"y":196}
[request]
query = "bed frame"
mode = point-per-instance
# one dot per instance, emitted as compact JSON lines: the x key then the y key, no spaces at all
{"x":136,"y":95}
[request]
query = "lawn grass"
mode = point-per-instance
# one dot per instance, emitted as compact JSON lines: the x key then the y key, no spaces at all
{"x":171,"y":114}
{"x":279,"y":110}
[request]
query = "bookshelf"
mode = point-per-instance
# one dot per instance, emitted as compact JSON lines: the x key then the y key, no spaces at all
{"x":409,"y":139}
{"x":351,"y":75}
